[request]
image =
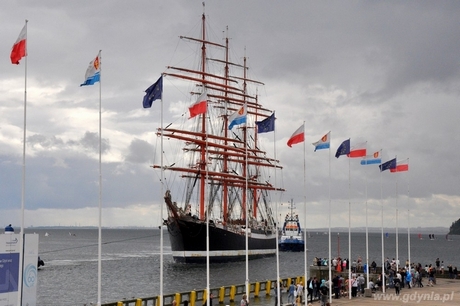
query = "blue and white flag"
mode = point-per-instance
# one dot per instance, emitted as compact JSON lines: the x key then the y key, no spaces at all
{"x":373,"y":159}
{"x":93,"y":73}
{"x":238,"y":117}
{"x":323,"y":143}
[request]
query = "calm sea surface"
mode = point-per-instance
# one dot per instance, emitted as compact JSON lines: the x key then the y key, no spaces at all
{"x":131,"y":262}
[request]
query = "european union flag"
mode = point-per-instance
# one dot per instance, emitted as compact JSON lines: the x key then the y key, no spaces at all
{"x":391,"y":164}
{"x":266,"y":125}
{"x":343,"y":149}
{"x":153,"y":92}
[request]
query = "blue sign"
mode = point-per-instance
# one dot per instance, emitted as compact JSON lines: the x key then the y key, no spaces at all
{"x":9,"y":272}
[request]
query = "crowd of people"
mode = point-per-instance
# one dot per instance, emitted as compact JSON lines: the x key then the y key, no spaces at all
{"x":396,"y":277}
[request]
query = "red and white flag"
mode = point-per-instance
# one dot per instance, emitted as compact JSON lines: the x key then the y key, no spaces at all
{"x":298,"y":136}
{"x":200,"y":106}
{"x":358,"y":150}
{"x":401,"y":166}
{"x":19,"y":47}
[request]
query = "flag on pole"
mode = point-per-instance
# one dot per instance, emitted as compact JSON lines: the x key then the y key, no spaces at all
{"x":200,"y":106}
{"x":238,"y":117}
{"x":153,"y":93}
{"x":323,"y":143}
{"x":266,"y":125}
{"x":372,"y":159}
{"x":19,"y":47}
{"x":93,"y":73}
{"x":391,"y":164}
{"x":401,"y":166}
{"x":297,"y":137}
{"x":358,"y":151}
{"x":344,"y":148}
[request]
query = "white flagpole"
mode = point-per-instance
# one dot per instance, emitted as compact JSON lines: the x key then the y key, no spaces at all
{"x":277,"y":287}
{"x":408,"y":223}
{"x":329,"y":261}
{"x":305,"y":210}
{"x":349,"y":230}
{"x":246,"y":205}
{"x":208,"y":277}
{"x":23,"y":193}
{"x":99,"y":246}
{"x":383,"y":243}
{"x":408,"y":227}
{"x":367,"y":240}
{"x":160,"y":303}
{"x":397,"y":243}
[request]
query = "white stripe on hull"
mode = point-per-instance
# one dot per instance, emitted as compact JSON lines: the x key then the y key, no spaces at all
{"x":186,"y":254}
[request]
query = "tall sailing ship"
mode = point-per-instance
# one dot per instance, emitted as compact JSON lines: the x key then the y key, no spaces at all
{"x":225,"y":181}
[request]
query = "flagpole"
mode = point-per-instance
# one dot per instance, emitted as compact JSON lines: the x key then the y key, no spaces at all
{"x":349,"y":230}
{"x":277,"y":287}
{"x":23,"y":193}
{"x":408,"y":222}
{"x":329,"y":228}
{"x":305,"y":210}
{"x":161,"y":205}
{"x":397,"y":243}
{"x":99,"y":246}
{"x":208,"y":277}
{"x":408,"y":227}
{"x":383,"y":243}
{"x":246,"y":204}
{"x":367,"y":239}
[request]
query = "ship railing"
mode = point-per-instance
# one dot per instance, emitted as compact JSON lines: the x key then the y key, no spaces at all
{"x":222,"y":294}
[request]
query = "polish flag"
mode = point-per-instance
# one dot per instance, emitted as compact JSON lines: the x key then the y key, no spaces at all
{"x":200,"y":106}
{"x":19,"y":47}
{"x":358,"y":151}
{"x":298,"y":136}
{"x":400,"y":168}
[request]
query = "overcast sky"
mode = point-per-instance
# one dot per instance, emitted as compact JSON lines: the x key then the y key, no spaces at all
{"x":385,"y":72}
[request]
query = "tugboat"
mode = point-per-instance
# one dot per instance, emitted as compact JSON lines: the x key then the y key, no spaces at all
{"x":292,"y":235}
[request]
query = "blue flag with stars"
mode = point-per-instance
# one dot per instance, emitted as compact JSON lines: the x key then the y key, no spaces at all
{"x":153,"y":93}
{"x":343,"y":149}
{"x":266,"y":125}
{"x":391,"y":164}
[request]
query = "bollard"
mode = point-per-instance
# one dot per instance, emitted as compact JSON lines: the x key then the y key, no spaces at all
{"x":221,"y":295}
{"x":192,"y":298}
{"x":256,"y":289}
{"x":205,"y":296}
{"x":119,"y":303}
{"x":232,"y":293}
{"x":138,"y":302}
{"x":177,"y":297}
{"x":268,"y":288}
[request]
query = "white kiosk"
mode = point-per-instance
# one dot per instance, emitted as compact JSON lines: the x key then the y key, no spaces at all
{"x":10,"y":251}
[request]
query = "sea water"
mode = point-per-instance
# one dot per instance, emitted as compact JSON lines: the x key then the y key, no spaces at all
{"x":131,"y":262}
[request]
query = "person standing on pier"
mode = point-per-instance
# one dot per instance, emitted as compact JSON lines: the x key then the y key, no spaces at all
{"x":279,"y":288}
{"x":244,"y":300}
{"x":300,"y":291}
{"x":291,"y":290}
{"x":323,"y":291}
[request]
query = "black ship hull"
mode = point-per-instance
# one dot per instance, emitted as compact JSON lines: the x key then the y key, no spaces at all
{"x":188,"y":242}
